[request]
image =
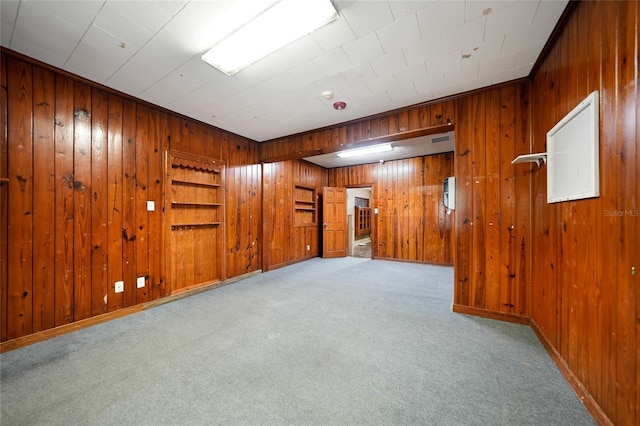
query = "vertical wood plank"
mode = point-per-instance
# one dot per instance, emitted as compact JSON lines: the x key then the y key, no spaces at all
{"x":82,"y":201}
{"x":115,"y":203}
{"x":4,"y":198}
{"x":141,"y":198}
{"x":64,"y":215}
{"x":129,"y":234}
{"x":43,"y":200}
{"x":20,"y":217}
{"x":99,"y":203}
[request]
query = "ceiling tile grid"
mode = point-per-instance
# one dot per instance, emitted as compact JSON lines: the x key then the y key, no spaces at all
{"x":377,"y":56}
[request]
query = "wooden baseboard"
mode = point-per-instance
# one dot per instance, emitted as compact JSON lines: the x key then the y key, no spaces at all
{"x":78,"y":325}
{"x":289,"y":263}
{"x":67,"y":328}
{"x":485,"y":313}
{"x":583,"y":394}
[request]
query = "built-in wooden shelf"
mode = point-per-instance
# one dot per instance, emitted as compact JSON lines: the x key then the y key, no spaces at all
{"x":194,"y":225}
{"x":194,"y":203}
{"x":304,"y":205}
{"x":188,"y":182}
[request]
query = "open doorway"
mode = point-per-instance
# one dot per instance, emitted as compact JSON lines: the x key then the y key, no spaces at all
{"x":359,"y":222}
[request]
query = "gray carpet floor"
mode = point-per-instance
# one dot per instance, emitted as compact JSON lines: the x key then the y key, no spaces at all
{"x":324,"y":342}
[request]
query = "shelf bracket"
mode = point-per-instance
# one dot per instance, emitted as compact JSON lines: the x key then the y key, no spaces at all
{"x":531,"y":158}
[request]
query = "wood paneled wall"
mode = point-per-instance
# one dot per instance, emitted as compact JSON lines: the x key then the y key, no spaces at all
{"x":78,"y":164}
{"x":492,"y":202}
{"x":285,"y":243}
{"x":585,"y":298}
{"x":412,"y":223}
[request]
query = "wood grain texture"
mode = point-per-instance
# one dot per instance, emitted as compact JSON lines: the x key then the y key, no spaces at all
{"x":4,"y":199}
{"x":20,"y":215}
{"x":585,"y":298}
{"x":77,"y":164}
{"x":411,"y":223}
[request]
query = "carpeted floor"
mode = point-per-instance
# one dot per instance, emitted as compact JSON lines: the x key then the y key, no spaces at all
{"x":324,"y":342}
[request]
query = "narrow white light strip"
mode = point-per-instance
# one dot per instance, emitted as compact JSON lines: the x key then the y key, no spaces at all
{"x":374,"y":149}
{"x":278,"y":26}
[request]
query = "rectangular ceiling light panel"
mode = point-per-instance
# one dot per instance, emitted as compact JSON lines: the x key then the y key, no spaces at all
{"x":283,"y":23}
{"x":374,"y":149}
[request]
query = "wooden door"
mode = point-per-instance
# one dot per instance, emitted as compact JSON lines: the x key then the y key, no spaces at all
{"x":334,"y":222}
{"x":194,"y":221}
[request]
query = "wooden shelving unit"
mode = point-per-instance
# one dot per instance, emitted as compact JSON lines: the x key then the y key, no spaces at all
{"x":305,"y":205}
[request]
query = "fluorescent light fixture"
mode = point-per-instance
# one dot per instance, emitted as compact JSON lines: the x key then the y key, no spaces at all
{"x":373,"y":149}
{"x":284,"y":22}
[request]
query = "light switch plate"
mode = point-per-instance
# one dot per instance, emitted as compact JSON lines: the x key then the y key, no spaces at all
{"x":151,"y":206}
{"x":119,"y":286}
{"x":140,"y":282}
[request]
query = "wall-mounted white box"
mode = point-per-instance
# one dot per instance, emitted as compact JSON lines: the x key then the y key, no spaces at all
{"x":140,"y":282}
{"x":151,"y":206}
{"x":119,"y":287}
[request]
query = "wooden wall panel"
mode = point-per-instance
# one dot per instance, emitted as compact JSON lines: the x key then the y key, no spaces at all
{"x":78,"y":163}
{"x":412,"y":224}
{"x":585,"y":296}
{"x":4,"y":199}
{"x":43,"y":200}
{"x":20,"y":215}
{"x":243,"y":208}
{"x":284,"y":243}
{"x":492,"y":224}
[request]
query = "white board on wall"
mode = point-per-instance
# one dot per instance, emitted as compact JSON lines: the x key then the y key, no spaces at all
{"x":573,"y":164}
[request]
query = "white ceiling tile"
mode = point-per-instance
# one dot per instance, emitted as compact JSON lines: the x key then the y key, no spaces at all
{"x":389,"y":63}
{"x":401,"y":8}
{"x":497,"y":65}
{"x":363,"y":49}
{"x":150,"y":15}
{"x":478,"y":8}
{"x":444,"y":64}
{"x":301,"y":50}
{"x":381,"y":100}
{"x":529,"y":56}
{"x":333,"y":62}
{"x":462,"y":75}
{"x":423,"y":51}
{"x":8,"y":14}
{"x":509,"y":19}
{"x":360,"y":74}
{"x":358,"y":91}
{"x":367,"y":16}
{"x":402,"y":92}
{"x":464,"y":35}
{"x":549,"y":10}
{"x":382,"y":84}
{"x":306,"y":73}
{"x":111,"y":20}
{"x":98,"y":56}
{"x":171,"y":6}
{"x":333,"y":35}
{"x":430,"y":84}
{"x":511,"y":74}
{"x":528,"y":37}
{"x":411,"y":74}
{"x":483,"y":51}
{"x":399,"y":33}
{"x":440,"y":17}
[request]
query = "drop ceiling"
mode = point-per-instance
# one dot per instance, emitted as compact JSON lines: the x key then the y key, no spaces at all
{"x":378,"y":56}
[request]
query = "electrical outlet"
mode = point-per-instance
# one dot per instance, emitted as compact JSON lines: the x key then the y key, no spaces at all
{"x":151,"y":206}
{"x":119,"y":286}
{"x":140,"y":282}
{"x":308,"y":247}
